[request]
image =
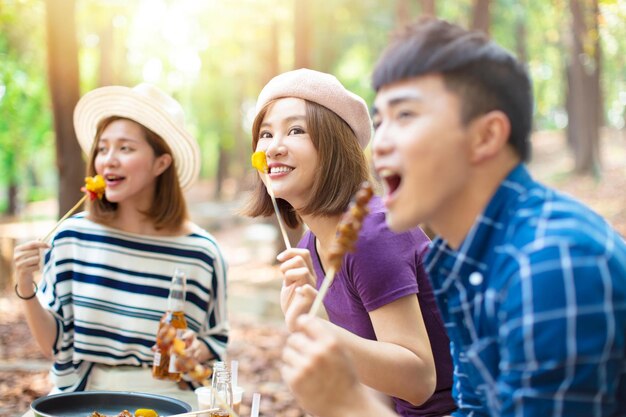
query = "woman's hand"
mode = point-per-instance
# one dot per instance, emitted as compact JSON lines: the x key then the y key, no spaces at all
{"x":194,"y":348}
{"x":27,"y":260}
{"x":321,"y":375}
{"x":303,"y":298}
{"x":297,"y":269}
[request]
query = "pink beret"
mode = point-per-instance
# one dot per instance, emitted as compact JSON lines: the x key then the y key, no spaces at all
{"x":323,"y":89}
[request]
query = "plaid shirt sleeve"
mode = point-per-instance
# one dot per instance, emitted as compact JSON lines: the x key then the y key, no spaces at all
{"x":561,"y":326}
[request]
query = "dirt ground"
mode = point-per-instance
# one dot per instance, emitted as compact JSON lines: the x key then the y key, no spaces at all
{"x":257,"y":331}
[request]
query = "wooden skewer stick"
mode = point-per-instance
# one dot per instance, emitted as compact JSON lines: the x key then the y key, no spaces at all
{"x":283,"y":229}
{"x":195,"y":413}
{"x":259,"y":161}
{"x":68,"y":214}
{"x":317,"y":303}
{"x":94,"y":188}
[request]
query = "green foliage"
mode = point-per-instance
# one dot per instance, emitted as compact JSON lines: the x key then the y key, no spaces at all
{"x":613,"y":36}
{"x":215,"y":56}
{"x":25,"y":143}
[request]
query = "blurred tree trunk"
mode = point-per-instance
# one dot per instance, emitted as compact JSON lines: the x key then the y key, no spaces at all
{"x":429,"y":8}
{"x":481,"y":18}
{"x":13,"y":186}
{"x":107,"y":55}
{"x":64,"y":90}
{"x":223,"y":160}
{"x":583,"y":81}
{"x":12,"y":191}
{"x":273,"y":61}
{"x":302,"y":34}
{"x":403,"y":14}
{"x":521,"y":46}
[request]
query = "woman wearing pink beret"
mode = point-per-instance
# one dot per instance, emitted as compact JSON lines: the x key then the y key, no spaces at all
{"x":380,"y":305}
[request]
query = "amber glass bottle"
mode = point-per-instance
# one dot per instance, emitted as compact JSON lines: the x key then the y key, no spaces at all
{"x":164,"y":366}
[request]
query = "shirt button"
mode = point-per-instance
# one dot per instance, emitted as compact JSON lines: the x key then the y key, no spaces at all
{"x":476,"y":278}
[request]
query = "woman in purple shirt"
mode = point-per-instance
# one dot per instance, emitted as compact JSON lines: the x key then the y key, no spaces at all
{"x":381,"y":305}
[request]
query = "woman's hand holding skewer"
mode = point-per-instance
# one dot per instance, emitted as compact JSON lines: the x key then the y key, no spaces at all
{"x":301,"y":303}
{"x":297,"y":270}
{"x":27,"y":259}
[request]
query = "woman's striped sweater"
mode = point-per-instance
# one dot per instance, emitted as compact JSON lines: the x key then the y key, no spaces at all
{"x":108,"y":289}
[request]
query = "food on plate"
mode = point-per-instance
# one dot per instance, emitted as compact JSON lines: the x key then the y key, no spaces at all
{"x":146,"y":412}
{"x":124,"y":413}
{"x":140,"y":412}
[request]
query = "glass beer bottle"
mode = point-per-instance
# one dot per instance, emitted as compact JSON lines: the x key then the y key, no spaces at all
{"x":222,"y":395}
{"x":164,"y":366}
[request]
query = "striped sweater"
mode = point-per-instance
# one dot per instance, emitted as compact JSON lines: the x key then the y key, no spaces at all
{"x":108,"y":290}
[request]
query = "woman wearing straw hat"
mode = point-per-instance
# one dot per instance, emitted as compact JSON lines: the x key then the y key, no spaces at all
{"x":107,"y":271}
{"x":381,"y":306}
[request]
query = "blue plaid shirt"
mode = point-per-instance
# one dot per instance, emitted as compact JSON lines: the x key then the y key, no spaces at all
{"x":534,"y":302}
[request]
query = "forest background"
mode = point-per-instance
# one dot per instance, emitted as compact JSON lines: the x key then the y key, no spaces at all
{"x":214,"y":56}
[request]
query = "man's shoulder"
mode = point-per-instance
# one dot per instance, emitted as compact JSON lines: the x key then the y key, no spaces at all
{"x":546,"y":217}
{"x":547,"y":230}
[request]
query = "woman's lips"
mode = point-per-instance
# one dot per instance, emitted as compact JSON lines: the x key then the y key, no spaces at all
{"x":279,"y":170}
{"x":113,"y":180}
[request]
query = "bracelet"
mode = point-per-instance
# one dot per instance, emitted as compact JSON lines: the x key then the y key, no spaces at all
{"x":29,"y":297}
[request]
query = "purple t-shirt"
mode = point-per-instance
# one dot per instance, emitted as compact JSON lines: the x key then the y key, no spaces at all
{"x":384,"y":267}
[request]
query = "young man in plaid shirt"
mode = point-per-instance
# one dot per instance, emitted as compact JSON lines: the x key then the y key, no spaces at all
{"x":531,"y":283}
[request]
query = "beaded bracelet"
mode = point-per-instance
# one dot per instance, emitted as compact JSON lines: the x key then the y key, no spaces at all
{"x":29,"y":297}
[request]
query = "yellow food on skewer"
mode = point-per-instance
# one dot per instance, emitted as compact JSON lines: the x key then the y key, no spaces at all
{"x":259,"y":161}
{"x":94,"y":188}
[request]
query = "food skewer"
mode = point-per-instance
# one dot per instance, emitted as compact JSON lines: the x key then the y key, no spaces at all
{"x":148,"y":412}
{"x":260,"y":163}
{"x":345,"y":238}
{"x":94,"y":188}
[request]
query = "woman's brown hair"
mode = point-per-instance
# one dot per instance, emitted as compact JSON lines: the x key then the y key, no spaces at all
{"x":342,"y":168}
{"x":168,"y":210}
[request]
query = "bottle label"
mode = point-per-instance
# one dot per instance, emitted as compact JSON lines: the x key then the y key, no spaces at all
{"x":157,"y":358}
{"x":173,"y":368}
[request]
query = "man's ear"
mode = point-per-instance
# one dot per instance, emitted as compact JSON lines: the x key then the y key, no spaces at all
{"x":490,"y":135}
{"x":162,"y":163}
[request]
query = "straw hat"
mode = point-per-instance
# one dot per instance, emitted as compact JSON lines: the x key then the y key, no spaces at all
{"x":323,"y":89}
{"x":148,"y":106}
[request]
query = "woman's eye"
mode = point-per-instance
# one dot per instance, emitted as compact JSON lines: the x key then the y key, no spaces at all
{"x":265,"y":135}
{"x":296,"y":131}
{"x":102,"y":149}
{"x":405,"y":114}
